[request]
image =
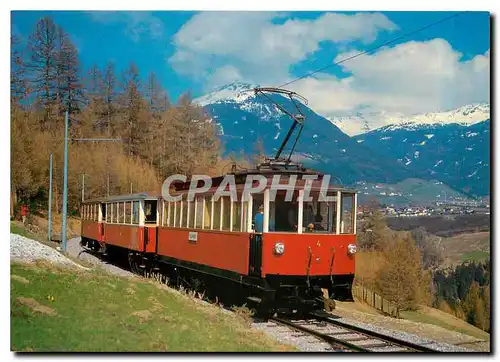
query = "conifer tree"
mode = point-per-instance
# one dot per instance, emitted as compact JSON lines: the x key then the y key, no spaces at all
{"x":42,"y":46}
{"x":400,"y":279}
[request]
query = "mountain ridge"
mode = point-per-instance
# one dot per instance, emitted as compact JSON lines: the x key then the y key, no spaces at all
{"x":361,"y":123}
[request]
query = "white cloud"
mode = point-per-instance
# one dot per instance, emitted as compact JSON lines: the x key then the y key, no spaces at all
{"x":408,"y":78}
{"x":259,"y":45}
{"x":217,"y":48}
{"x":138,"y":24}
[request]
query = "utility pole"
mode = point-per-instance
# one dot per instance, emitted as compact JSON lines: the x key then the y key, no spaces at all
{"x":65,"y":186}
{"x":50,"y":198}
{"x":108,"y":184}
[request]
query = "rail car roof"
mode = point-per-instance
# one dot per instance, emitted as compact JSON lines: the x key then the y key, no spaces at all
{"x":151,"y":195}
{"x":183,"y":187}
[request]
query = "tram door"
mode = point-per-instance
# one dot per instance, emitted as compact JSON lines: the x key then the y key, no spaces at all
{"x":150,"y":225}
{"x":103,"y":219}
{"x":255,"y":266}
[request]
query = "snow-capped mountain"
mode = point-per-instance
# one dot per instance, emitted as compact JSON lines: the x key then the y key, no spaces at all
{"x":237,"y":92}
{"x":244,"y":119}
{"x":450,"y":147}
{"x":456,"y":153}
{"x":365,"y":122}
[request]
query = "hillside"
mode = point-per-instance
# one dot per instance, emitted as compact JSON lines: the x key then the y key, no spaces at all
{"x":410,"y":191}
{"x":458,"y":155}
{"x":466,"y":247}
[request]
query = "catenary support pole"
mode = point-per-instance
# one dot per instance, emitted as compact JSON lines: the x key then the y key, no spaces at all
{"x":50,"y":198}
{"x":65,"y":186}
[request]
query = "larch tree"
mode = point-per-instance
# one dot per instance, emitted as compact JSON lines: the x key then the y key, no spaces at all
{"x":110,"y":96}
{"x":400,"y":278}
{"x":132,"y":110}
{"x":18,"y":82}
{"x":70,"y":88}
{"x":42,"y":46}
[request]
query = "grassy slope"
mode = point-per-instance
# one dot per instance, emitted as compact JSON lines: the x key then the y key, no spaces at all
{"x":470,"y":246}
{"x":100,"y":312}
{"x":445,"y":320}
{"x":423,"y":315}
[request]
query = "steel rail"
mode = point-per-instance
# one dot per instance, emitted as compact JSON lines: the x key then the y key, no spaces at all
{"x":325,"y":337}
{"x":389,"y":341}
{"x":395,"y":341}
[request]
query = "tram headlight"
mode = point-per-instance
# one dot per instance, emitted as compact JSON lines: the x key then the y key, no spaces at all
{"x":351,"y":249}
{"x":279,"y":248}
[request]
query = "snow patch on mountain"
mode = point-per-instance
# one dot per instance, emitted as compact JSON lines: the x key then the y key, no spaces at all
{"x":362,"y":123}
{"x":237,"y":92}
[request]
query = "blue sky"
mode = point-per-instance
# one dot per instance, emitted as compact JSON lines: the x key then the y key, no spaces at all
{"x":200,"y":51}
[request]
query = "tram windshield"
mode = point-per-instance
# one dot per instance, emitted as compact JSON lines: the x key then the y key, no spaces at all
{"x":316,"y":216}
{"x":319,"y":217}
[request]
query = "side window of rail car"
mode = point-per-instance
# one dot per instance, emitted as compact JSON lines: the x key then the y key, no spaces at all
{"x":178,"y":215}
{"x":244,"y":216}
{"x":191,"y":214}
{"x":128,"y":212}
{"x":135,"y":212}
{"x":207,"y":213}
{"x":171,"y":206}
{"x":111,"y":212}
{"x":199,"y":213}
{"x":237,"y":216}
{"x":226,"y":212}
{"x":347,"y":214}
{"x":217,"y":215}
{"x":184,"y":213}
{"x":120,"y":212}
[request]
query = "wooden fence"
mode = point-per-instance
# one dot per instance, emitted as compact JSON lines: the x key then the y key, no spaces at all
{"x":375,"y":300}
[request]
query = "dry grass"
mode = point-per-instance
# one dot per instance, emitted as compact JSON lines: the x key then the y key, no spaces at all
{"x":368,"y":267}
{"x":42,"y":223}
{"x":19,"y":279}
{"x":35,"y":306}
{"x":143,"y":315}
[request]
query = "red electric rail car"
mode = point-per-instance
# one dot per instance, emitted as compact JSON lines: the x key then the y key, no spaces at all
{"x":303,"y":250}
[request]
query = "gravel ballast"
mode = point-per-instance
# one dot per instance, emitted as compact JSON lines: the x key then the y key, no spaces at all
{"x":23,"y":249}
{"x":75,"y":250}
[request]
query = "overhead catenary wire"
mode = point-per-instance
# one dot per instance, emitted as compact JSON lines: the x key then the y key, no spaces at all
{"x":374,"y":48}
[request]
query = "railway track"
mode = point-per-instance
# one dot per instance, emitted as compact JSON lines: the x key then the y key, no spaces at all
{"x":346,"y":337}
